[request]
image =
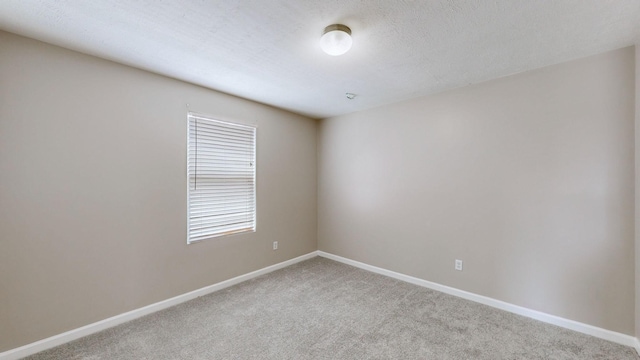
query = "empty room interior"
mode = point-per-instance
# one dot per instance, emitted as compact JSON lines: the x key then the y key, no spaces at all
{"x":278,"y":179}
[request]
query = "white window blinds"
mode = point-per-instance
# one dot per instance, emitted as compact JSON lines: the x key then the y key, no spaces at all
{"x":221,"y":168}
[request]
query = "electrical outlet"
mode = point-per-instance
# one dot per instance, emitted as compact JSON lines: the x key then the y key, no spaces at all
{"x":275,"y":245}
{"x":458,"y":265}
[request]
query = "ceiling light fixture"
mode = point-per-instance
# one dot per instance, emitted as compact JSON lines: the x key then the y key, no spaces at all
{"x":336,"y":39}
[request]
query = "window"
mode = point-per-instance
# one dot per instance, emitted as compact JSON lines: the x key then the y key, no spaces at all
{"x":221,"y":169}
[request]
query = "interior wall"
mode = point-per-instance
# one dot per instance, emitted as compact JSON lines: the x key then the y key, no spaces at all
{"x":528,"y":179}
{"x":637,"y":189}
{"x":93,"y":190}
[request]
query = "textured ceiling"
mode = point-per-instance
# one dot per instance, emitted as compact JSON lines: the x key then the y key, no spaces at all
{"x":268,"y":50}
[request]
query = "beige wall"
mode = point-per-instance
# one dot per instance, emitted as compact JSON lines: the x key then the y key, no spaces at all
{"x":637,"y":188}
{"x":93,"y":190}
{"x":528,"y":179}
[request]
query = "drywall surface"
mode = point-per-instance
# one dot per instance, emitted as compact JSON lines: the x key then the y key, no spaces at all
{"x":269,"y":51}
{"x":528,"y":179}
{"x":93,"y":190}
{"x":637,"y":188}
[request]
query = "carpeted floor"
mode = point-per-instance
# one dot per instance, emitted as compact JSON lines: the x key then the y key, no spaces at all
{"x":320,"y":309}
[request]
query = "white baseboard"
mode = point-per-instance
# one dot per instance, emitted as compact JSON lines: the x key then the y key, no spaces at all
{"x":71,"y":335}
{"x":533,"y":314}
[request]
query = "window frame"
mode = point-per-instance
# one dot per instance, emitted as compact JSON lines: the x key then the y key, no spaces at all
{"x":200,"y":116}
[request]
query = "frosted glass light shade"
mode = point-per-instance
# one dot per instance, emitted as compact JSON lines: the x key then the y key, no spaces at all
{"x":336,"y":39}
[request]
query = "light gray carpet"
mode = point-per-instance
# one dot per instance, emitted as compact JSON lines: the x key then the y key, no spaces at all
{"x":320,"y":309}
